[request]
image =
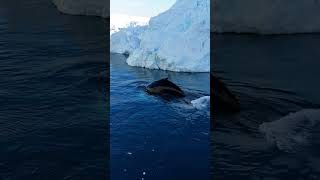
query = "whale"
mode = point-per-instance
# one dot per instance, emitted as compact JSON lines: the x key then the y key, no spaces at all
{"x":223,"y":99}
{"x":164,"y":87}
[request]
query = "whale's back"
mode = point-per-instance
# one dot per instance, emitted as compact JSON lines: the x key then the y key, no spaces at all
{"x":164,"y":87}
{"x":223,"y":99}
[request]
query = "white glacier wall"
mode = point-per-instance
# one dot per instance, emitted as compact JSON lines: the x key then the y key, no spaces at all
{"x":126,"y":39}
{"x":239,"y":16}
{"x":118,"y":21}
{"x":266,"y":16}
{"x":84,"y":7}
{"x":179,"y":38}
{"x":176,"y":40}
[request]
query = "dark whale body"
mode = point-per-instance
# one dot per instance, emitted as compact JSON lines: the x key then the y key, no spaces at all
{"x":223,"y":99}
{"x":164,"y":87}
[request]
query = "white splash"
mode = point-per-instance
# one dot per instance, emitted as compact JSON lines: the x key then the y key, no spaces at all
{"x":292,"y":131}
{"x":201,"y":103}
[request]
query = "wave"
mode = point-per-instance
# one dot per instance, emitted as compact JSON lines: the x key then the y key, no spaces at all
{"x":201,"y":103}
{"x":293,"y":131}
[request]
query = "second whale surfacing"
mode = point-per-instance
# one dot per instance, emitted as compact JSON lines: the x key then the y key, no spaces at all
{"x":164,"y":87}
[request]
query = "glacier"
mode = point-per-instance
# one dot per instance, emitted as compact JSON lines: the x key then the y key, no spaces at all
{"x":126,"y":40}
{"x":120,"y":21}
{"x":175,"y":40}
{"x":179,"y":38}
{"x":245,"y":16}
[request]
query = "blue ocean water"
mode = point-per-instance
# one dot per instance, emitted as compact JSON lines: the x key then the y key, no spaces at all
{"x":152,"y":138}
{"x":53,"y":101}
{"x":273,"y":76}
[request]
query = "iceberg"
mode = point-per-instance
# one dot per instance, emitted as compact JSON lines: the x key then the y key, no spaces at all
{"x":175,"y":40}
{"x":293,"y":131}
{"x":179,"y":38}
{"x":126,"y":40}
{"x":245,"y":16}
{"x":120,"y":21}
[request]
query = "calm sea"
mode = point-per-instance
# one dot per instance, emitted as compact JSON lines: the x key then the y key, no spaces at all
{"x":53,"y":100}
{"x":273,"y":76}
{"x":152,"y":138}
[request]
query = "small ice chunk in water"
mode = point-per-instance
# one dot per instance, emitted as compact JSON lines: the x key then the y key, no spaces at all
{"x":129,"y":153}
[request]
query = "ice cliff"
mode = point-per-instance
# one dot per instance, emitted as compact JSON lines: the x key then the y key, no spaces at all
{"x":120,"y":21}
{"x":176,"y":40}
{"x":126,"y":40}
{"x":240,"y":16}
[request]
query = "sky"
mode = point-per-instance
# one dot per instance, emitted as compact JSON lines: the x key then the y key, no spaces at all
{"x":145,"y":8}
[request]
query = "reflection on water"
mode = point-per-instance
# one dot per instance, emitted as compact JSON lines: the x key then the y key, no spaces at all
{"x":272,"y":76}
{"x":152,"y":138}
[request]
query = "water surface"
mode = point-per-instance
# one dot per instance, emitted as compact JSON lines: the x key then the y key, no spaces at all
{"x":153,"y":138}
{"x":53,"y":106}
{"x":272,"y":76}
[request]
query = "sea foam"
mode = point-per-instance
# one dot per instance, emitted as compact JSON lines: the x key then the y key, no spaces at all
{"x":293,"y":131}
